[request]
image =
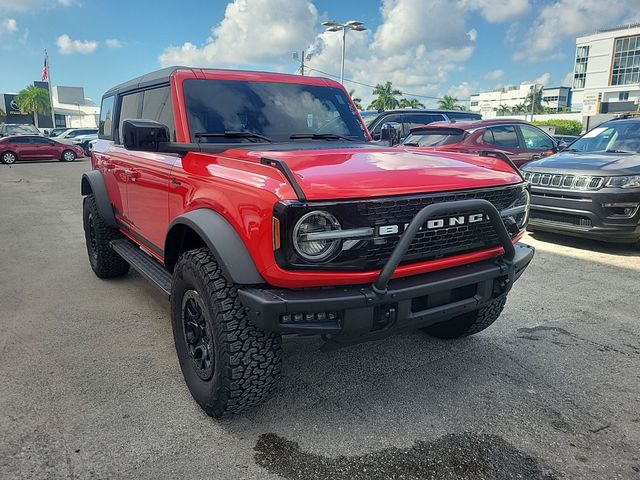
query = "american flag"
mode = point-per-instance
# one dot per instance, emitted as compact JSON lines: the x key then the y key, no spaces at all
{"x":45,"y":69}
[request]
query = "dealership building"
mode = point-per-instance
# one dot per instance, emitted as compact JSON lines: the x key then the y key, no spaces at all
{"x":489,"y":103}
{"x":70,"y":107}
{"x":606,"y":77}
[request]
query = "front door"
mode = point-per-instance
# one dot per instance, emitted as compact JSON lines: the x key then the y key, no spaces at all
{"x":537,"y":144}
{"x":505,"y":139}
{"x":43,"y":147}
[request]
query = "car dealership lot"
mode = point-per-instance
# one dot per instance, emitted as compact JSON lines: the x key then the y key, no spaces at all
{"x":91,"y":386}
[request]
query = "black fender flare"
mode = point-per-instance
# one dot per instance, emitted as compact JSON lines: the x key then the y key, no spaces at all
{"x":221,"y":239}
{"x":93,"y":183}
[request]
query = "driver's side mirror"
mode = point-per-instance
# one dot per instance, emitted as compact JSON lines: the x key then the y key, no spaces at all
{"x":561,"y":145}
{"x":391,"y":133}
{"x":143,"y":135}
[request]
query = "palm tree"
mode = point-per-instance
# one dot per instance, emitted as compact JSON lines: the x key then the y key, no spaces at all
{"x":2,"y":115}
{"x":33,"y":100}
{"x":356,"y":100}
{"x":449,"y":103}
{"x":504,"y":109}
{"x":536,"y":97}
{"x":519,"y":108}
{"x":410,"y":103}
{"x":385,"y":97}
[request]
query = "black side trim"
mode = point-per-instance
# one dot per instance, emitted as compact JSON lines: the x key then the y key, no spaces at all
{"x":93,"y":183}
{"x":286,"y":171}
{"x":223,"y":241}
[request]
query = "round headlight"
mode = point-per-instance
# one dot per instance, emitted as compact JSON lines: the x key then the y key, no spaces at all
{"x":308,"y":238}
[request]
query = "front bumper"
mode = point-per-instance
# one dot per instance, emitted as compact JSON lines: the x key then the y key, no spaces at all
{"x":360,"y":313}
{"x":583,"y":213}
{"x":366,"y":312}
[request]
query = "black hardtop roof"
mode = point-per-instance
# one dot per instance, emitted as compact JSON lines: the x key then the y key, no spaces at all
{"x":153,"y":78}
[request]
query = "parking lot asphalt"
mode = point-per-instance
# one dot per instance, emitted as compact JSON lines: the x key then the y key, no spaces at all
{"x":90,"y":386}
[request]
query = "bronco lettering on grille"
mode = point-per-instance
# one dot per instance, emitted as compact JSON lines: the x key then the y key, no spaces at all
{"x":434,"y":224}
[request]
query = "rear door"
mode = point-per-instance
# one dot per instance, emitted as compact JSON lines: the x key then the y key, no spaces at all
{"x":505,"y":139}
{"x":22,"y":147}
{"x":43,"y":147}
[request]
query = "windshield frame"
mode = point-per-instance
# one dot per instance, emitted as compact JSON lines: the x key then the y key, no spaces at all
{"x":195,"y":90}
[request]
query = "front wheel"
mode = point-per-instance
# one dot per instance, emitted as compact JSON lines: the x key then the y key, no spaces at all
{"x":229,"y":364}
{"x":9,"y":158}
{"x":468,"y":323}
{"x":68,"y":156}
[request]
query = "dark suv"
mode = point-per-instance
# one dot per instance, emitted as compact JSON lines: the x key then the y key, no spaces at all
{"x":592,"y":188}
{"x":409,"y":118}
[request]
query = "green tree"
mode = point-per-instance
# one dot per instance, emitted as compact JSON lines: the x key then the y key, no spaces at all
{"x":449,"y":103}
{"x":385,"y":97}
{"x":2,"y":115}
{"x":356,"y":100}
{"x":504,"y":109}
{"x":563,"y":127}
{"x":33,"y":100}
{"x":535,"y":97}
{"x":519,"y":108}
{"x":410,"y":103}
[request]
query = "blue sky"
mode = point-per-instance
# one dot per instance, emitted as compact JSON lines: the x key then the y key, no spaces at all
{"x":426,"y":47}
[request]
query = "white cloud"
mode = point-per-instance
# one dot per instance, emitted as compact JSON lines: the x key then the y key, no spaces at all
{"x":31,"y":5}
{"x":567,"y":81}
{"x":543,"y":79}
{"x":67,"y":46}
{"x":498,"y":10}
{"x":113,"y":43}
{"x":472,"y":34}
{"x":494,"y":74}
{"x":8,"y":26}
{"x":567,"y":19}
{"x":252,"y":32}
{"x":463,"y":91}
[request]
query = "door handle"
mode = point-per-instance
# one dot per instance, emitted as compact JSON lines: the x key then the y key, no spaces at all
{"x":132,"y":174}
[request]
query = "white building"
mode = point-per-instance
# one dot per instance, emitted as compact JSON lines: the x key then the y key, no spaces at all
{"x":490,"y":103}
{"x":73,"y":109}
{"x":606,"y":76}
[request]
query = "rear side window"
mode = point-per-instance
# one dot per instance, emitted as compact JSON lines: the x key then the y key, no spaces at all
{"x":106,"y":118}
{"x":502,"y":136}
{"x":129,"y":108}
{"x":157,"y":105}
{"x":434,"y":138}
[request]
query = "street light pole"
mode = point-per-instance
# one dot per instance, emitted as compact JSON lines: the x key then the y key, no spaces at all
{"x":333,"y":26}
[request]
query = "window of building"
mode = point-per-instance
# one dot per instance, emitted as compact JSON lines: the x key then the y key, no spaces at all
{"x":106,"y":117}
{"x":580,"y":70}
{"x":623,"y":96}
{"x":474,"y":104}
{"x":626,"y":61}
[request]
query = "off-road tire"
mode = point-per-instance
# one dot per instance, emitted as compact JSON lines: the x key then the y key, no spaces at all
{"x":105,"y":262}
{"x":9,"y":158}
{"x":246,"y":363}
{"x":68,"y":156}
{"x":468,"y":323}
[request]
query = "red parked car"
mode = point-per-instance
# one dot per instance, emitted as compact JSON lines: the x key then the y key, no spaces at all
{"x":521,"y":141}
{"x":36,"y":147}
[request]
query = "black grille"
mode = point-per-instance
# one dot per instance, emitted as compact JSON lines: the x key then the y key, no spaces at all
{"x":553,"y":217}
{"x":433,"y":244}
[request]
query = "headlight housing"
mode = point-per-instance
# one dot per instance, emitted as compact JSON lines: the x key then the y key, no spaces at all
{"x":627,"y":181}
{"x":312,"y":238}
{"x":516,"y":215}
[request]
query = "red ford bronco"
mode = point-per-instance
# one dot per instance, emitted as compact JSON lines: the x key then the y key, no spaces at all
{"x":259,"y":205}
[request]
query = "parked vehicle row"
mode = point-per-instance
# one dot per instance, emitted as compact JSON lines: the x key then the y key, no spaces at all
{"x":36,"y":147}
{"x":261,"y":207}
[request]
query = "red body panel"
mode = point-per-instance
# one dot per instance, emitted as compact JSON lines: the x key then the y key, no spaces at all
{"x":149,"y":190}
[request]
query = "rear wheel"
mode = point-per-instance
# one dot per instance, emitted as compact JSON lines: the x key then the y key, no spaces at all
{"x":468,"y":323}
{"x":105,"y":262}
{"x":9,"y":158}
{"x":68,"y":156}
{"x":228,"y":364}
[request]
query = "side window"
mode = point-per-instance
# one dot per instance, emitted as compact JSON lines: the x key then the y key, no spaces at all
{"x":106,"y":118}
{"x":20,"y":140}
{"x":534,"y":139}
{"x":39,"y":140}
{"x":157,"y":105}
{"x":129,"y":108}
{"x":387,"y":119}
{"x":487,"y":137}
{"x":504,"y":136}
{"x":417,"y":119}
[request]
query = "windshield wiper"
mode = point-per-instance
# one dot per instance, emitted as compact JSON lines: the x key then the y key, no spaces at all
{"x":411,"y":144}
{"x":232,"y":134}
{"x":613,"y":150}
{"x":320,"y":136}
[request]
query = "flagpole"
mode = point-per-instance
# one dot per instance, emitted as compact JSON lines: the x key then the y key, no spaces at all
{"x":53,"y":115}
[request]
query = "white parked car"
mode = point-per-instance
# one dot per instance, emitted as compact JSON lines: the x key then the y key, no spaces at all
{"x":70,"y":136}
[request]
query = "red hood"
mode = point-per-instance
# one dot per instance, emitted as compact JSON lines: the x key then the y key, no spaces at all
{"x":376,"y":172}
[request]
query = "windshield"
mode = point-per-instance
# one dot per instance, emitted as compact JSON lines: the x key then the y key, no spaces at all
{"x":21,"y":129}
{"x":623,"y":136}
{"x":434,"y":138}
{"x":274,"y":110}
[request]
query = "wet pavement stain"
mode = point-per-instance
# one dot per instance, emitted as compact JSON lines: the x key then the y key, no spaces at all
{"x":465,"y":456}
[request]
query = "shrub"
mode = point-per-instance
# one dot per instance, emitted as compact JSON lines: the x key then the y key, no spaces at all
{"x":563,"y":127}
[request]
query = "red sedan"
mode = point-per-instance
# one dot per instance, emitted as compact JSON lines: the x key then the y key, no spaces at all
{"x":521,"y":141}
{"x":36,"y":147}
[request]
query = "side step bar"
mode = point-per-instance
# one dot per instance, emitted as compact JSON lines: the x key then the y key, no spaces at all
{"x":147,"y":266}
